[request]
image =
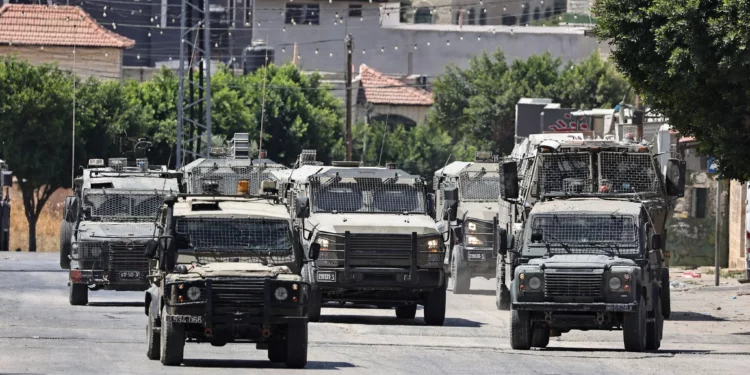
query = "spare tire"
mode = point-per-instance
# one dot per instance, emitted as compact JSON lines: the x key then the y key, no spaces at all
{"x":66,"y":234}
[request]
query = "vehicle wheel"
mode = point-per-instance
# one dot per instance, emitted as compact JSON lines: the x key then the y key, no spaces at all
{"x":460,"y":273}
{"x":172,"y":341}
{"x":634,"y":328}
{"x":666,"y":303}
{"x":540,"y":337}
{"x":502,"y":293}
{"x":434,"y":308}
{"x":654,"y":329}
{"x":66,"y":233}
{"x":520,"y":330}
{"x":152,"y":336}
{"x":406,"y":311}
{"x":78,"y":294}
{"x":296,"y":346}
{"x":277,"y":351}
{"x":313,"y":309}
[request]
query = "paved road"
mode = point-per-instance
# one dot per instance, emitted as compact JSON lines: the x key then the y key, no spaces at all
{"x":41,"y":333}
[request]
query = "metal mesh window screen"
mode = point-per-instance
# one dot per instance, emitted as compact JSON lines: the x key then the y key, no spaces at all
{"x":565,"y":173}
{"x":248,"y":235}
{"x":588,"y":233}
{"x":88,"y":250}
{"x":367,"y":195}
{"x":480,"y":186}
{"x":123,"y":205}
{"x":223,"y":180}
{"x":628,"y":173}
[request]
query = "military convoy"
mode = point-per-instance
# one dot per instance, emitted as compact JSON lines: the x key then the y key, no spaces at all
{"x":590,"y":252}
{"x":378,"y":245}
{"x":107,"y":224}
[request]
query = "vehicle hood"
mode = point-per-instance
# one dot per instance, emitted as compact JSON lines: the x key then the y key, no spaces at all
{"x":236,"y":269}
{"x":587,"y":205}
{"x":99,"y":231}
{"x":373,"y":223}
{"x":483,"y":211}
{"x":581,"y":261}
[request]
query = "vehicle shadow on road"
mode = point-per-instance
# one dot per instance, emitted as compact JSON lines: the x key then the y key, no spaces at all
{"x":393,"y":321}
{"x":608,"y":350}
{"x":116,"y":304}
{"x":689,"y":316}
{"x":481,"y":292}
{"x":235,"y":363}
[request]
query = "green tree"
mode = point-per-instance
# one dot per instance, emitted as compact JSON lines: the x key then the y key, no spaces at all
{"x":36,"y":124}
{"x":593,"y":82}
{"x":691,"y":62}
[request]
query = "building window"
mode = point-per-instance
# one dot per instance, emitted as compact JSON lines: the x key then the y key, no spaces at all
{"x":547,"y":12}
{"x":537,"y":14}
{"x":302,"y":14}
{"x":472,"y":16}
{"x":700,"y":202}
{"x":423,"y":15}
{"x":483,"y":17}
{"x":355,"y":10}
{"x":458,"y":17}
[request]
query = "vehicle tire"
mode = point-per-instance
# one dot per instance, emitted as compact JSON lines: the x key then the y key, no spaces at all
{"x":520,"y":330}
{"x":153,"y":337}
{"x":406,"y":311}
{"x":502,"y":293}
{"x":277,"y":351}
{"x":666,"y":303}
{"x":434,"y":307}
{"x":296,"y":346}
{"x":540,"y":337}
{"x":460,"y":273}
{"x":66,"y":233}
{"x":313,"y":309}
{"x":78,"y":294}
{"x":634,"y":328}
{"x":172,"y":341}
{"x":655,"y":329}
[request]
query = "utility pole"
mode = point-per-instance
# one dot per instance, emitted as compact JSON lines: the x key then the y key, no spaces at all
{"x":348,"y":76}
{"x":717,"y":268}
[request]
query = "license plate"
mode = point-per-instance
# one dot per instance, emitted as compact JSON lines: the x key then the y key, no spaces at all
{"x":327,"y":276}
{"x":194,"y":319}
{"x":130,"y":275}
{"x":476,"y":256}
{"x":619,"y":307}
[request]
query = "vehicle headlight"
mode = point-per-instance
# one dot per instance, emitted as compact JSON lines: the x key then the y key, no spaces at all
{"x":472,"y":227}
{"x":474,"y":241}
{"x":432,"y":245}
{"x":614,"y":283}
{"x":281,"y":293}
{"x":323,"y":242}
{"x":74,"y":246}
{"x":194,"y":293}
{"x":535,"y":283}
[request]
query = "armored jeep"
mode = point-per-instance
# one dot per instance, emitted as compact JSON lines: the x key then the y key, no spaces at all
{"x":378,"y":244}
{"x":590,"y":255}
{"x":107,"y":223}
{"x":227,"y":270}
{"x":474,"y":188}
{"x":6,"y":177}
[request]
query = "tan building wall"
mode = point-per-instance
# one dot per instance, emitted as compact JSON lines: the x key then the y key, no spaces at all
{"x":737,"y":230}
{"x":416,"y":113}
{"x":103,"y":63}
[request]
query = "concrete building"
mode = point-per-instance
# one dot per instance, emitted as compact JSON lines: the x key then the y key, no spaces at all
{"x":472,"y":12}
{"x":49,"y":34}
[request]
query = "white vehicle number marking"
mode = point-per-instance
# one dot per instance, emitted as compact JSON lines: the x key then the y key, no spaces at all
{"x":327,"y":276}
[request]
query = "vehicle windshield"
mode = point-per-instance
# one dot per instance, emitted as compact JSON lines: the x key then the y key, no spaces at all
{"x":585,"y":234}
{"x":367,"y":195}
{"x":122,"y":205}
{"x":234,"y":235}
{"x":480,"y":186}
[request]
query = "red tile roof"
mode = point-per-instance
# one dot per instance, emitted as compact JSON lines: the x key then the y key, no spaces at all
{"x":56,"y":25}
{"x":379,"y":88}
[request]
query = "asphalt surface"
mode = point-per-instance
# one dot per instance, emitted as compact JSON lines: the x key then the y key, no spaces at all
{"x":40,"y":333}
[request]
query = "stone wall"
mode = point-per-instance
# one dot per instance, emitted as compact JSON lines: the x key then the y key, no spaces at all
{"x":737,"y":230}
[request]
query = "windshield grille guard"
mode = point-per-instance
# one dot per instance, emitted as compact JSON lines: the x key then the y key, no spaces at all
{"x":480,"y":186}
{"x":587,"y":233}
{"x":223,"y":180}
{"x":569,"y":172}
{"x":249,"y":237}
{"x":624,"y":173}
{"x":123,"y":205}
{"x":367,"y":195}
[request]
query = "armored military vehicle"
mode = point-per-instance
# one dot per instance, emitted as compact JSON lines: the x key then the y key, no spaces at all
{"x":378,"y":244}
{"x":591,"y":252}
{"x":227,"y":270}
{"x":474,"y":188}
{"x":107,"y":223}
{"x":6,"y":180}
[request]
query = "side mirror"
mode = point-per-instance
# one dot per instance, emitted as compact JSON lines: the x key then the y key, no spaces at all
{"x":537,"y":237}
{"x":656,"y":241}
{"x":167,"y":256}
{"x":152,"y":248}
{"x":509,"y":180}
{"x":450,"y":210}
{"x":431,"y":205}
{"x":450,"y":194}
{"x":302,"y":207}
{"x":314,"y":251}
{"x":675,"y":179}
{"x":7,"y":178}
{"x":72,"y":207}
{"x":502,"y":244}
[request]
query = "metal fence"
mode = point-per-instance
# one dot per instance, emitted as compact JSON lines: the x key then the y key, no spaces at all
{"x":628,"y":173}
{"x":587,"y":234}
{"x":224,"y":180}
{"x":123,"y":205}
{"x":332,"y":194}
{"x":241,"y":235}
{"x":568,"y":173}
{"x":480,"y":186}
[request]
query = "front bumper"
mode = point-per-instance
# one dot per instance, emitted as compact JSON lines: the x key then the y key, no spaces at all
{"x":110,"y":280}
{"x":379,"y":278}
{"x":577,"y":307}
